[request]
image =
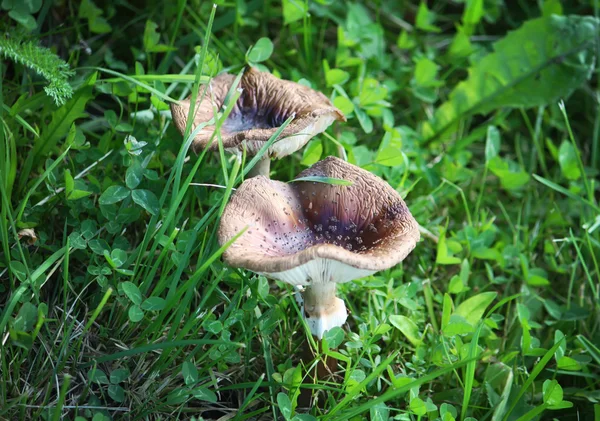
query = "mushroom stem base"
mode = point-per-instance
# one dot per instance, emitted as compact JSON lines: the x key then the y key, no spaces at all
{"x":321,"y":308}
{"x":262,"y":167}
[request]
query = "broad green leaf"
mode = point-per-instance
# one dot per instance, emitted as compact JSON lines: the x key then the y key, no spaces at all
{"x":567,"y":158}
{"x":96,"y":23}
{"x":26,"y":317}
{"x":543,"y":61}
{"x":119,"y":375}
{"x":312,"y":152}
{"x":119,"y":257}
{"x":134,"y":175}
{"x":418,"y":406}
{"x":426,"y":18}
{"x":365,"y":121}
{"x":153,"y":304}
{"x":294,"y":10}
{"x":147,"y":200}
{"x":189,"y":372}
{"x":552,"y":392}
{"x":135,"y":314}
{"x":568,"y":363}
{"x":492,"y":143}
{"x":344,"y":104}
{"x":551,"y":7}
{"x":379,"y":412}
{"x":443,"y":256}
{"x":132,"y":292}
{"x":98,"y":376}
{"x":457,"y":325}
{"x":426,"y":72}
{"x":336,"y":77}
{"x":406,"y":41}
{"x":473,"y":12}
{"x":69,"y":182}
{"x":19,"y":270}
{"x":260,"y":51}
{"x":334,"y":337}
{"x":116,"y":392}
{"x":511,"y":176}
{"x":152,"y":39}
{"x":461,"y":45}
{"x":285,"y":405}
{"x":407,"y":327}
{"x":114,"y":194}
{"x":204,"y":394}
{"x":472,"y":309}
{"x":390,"y":150}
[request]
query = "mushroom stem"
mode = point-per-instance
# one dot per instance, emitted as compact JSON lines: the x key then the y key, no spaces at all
{"x":322,"y":309}
{"x":262,"y":167}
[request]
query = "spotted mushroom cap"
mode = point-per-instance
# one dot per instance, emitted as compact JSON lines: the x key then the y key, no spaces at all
{"x":265,"y":104}
{"x":306,"y":232}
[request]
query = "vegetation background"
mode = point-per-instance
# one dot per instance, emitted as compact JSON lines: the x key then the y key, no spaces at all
{"x":114,"y":303}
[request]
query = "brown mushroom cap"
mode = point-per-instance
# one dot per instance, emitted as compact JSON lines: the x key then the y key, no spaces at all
{"x":265,"y":104}
{"x":307,"y":231}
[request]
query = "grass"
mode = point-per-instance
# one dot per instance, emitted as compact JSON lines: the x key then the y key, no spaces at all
{"x":115,"y":304}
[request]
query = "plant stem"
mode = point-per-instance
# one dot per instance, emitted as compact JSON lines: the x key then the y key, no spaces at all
{"x":263,"y":167}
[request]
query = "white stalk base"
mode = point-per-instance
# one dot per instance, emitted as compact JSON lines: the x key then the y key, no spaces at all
{"x":322,"y":310}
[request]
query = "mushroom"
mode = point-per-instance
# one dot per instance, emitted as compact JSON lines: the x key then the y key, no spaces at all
{"x":315,"y":235}
{"x":265,"y":103}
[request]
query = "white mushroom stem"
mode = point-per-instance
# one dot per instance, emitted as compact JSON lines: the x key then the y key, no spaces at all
{"x":321,"y":308}
{"x":262,"y":167}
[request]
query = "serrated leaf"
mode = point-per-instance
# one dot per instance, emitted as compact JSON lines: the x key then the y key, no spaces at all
{"x":62,"y":120}
{"x":543,"y":61}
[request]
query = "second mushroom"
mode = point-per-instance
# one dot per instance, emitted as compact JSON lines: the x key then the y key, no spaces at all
{"x":314,"y":235}
{"x":266,"y":102}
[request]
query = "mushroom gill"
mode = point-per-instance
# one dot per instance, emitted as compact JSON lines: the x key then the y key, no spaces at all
{"x":265,"y":103}
{"x":315,"y":235}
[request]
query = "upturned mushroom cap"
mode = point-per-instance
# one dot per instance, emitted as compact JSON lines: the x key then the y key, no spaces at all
{"x":311,"y":232}
{"x":265,"y":104}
